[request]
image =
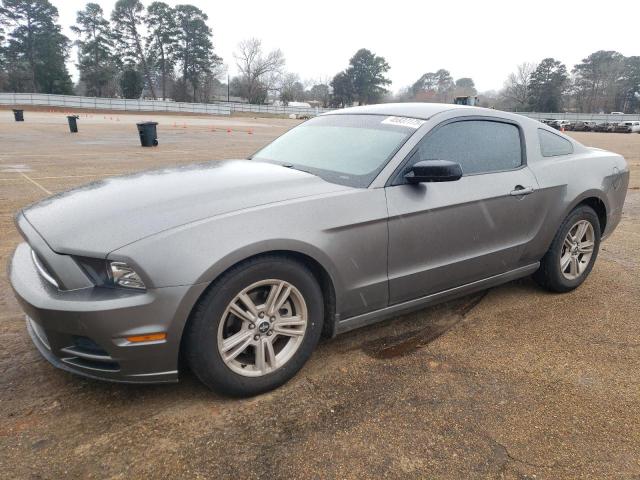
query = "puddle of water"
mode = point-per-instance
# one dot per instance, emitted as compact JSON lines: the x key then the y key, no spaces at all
{"x":408,"y":342}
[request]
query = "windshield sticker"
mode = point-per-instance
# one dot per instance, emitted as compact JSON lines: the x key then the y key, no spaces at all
{"x":414,"y":123}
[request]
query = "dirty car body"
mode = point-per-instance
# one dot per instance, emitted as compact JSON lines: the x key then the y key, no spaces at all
{"x":380,"y":245}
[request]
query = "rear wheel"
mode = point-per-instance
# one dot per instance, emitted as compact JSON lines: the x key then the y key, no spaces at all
{"x":256,"y":327}
{"x":572,"y":253}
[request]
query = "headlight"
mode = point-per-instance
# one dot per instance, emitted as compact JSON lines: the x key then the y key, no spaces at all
{"x":123,"y":275}
{"x":105,"y":273}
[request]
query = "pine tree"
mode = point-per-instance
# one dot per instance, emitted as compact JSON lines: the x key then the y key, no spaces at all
{"x":194,"y":49}
{"x":131,"y":82}
{"x":547,"y":85}
{"x":343,"y":93}
{"x":95,"y":49}
{"x":37,"y":50}
{"x":161,"y":42}
{"x":366,"y":71}
{"x":2,"y":37}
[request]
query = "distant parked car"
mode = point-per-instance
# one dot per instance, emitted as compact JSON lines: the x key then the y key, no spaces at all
{"x":587,"y":126}
{"x":612,"y":126}
{"x":628,"y":127}
{"x":602,"y":127}
{"x":561,"y":124}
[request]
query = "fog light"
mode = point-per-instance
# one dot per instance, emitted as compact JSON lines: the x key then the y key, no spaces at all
{"x":125,"y":276}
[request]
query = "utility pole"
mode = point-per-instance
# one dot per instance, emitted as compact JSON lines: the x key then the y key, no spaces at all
{"x":227,"y":87}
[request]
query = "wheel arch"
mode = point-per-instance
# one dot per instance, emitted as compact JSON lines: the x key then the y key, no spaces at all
{"x":597,"y":201}
{"x":600,"y":208}
{"x":322,"y":274}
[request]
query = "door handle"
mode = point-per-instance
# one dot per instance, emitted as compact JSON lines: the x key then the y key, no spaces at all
{"x":520,"y":190}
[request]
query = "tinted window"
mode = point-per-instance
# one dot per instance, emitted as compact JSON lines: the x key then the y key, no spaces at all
{"x":346,"y":149}
{"x":552,"y":145}
{"x":479,"y":146}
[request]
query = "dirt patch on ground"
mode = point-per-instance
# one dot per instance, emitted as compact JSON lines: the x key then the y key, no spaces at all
{"x":514,"y":383}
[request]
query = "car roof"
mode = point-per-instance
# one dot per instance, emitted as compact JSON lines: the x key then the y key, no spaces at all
{"x":423,"y":111}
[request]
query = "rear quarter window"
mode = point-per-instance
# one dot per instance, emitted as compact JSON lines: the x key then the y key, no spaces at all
{"x":552,"y":145}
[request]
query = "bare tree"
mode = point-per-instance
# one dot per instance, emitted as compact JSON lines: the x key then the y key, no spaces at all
{"x":291,"y":88}
{"x":516,"y":89}
{"x":259,"y":73}
{"x":319,"y":90}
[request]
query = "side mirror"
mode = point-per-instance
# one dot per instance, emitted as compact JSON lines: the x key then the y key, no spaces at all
{"x":434,"y":171}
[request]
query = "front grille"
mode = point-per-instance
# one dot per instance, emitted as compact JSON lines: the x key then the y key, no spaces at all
{"x":86,"y":354}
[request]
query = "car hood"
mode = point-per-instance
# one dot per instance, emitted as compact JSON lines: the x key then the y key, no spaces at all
{"x":103,"y":216}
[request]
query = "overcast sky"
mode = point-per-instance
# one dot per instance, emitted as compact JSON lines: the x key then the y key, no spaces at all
{"x":482,"y":39}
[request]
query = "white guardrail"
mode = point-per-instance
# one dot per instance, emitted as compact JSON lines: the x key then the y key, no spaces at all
{"x":276,"y":109}
{"x":69,"y":101}
{"x":225,"y":108}
{"x":222,"y":108}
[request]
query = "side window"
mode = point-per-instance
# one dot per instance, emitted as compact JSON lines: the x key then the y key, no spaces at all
{"x":552,"y":145}
{"x":479,"y":146}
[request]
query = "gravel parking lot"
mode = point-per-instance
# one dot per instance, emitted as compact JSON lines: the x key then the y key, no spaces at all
{"x":513,"y":383}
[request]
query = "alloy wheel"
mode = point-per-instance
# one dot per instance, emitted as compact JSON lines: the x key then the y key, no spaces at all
{"x":262,"y":327}
{"x":577,"y":250}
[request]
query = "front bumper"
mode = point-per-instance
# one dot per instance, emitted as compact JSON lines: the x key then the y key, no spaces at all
{"x":83,"y":330}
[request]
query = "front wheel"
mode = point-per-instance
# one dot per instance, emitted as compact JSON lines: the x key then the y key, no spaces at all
{"x":256,"y":327}
{"x":573,"y":252}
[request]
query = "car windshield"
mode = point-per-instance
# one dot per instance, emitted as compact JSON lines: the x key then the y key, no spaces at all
{"x":346,"y":149}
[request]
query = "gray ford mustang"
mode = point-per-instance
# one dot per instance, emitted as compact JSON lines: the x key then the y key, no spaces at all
{"x":238,"y":267}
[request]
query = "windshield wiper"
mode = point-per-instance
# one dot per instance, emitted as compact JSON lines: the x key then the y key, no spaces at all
{"x":293,"y":167}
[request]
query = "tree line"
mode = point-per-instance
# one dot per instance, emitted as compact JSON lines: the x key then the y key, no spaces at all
{"x":604,"y":81}
{"x":160,"y":50}
{"x":164,"y":52}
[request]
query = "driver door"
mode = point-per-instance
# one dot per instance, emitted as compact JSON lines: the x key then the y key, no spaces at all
{"x":447,"y":234}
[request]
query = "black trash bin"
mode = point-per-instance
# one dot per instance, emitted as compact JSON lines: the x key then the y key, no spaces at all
{"x":18,"y":115}
{"x":73,"y":123}
{"x":148,"y":134}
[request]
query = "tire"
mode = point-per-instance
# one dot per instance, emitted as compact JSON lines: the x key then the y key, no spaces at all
{"x":213,"y":324}
{"x":551,"y":275}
